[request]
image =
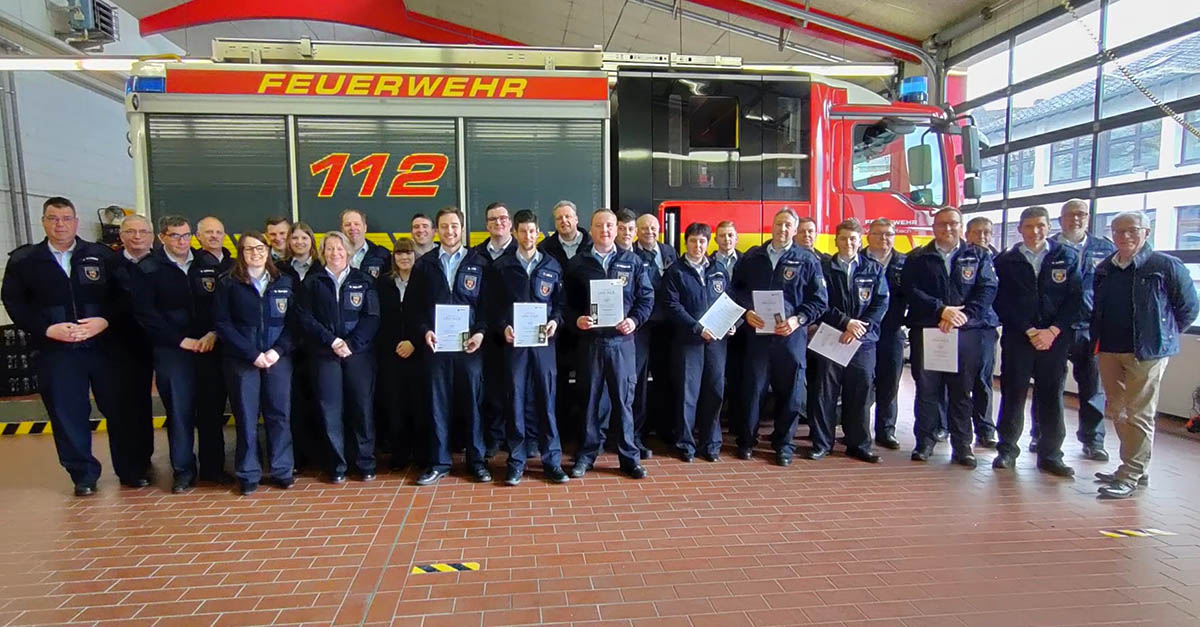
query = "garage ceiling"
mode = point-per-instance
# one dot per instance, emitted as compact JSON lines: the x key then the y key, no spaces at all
{"x":618,"y":25}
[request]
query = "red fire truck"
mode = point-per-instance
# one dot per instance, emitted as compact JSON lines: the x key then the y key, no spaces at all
{"x":306,"y":129}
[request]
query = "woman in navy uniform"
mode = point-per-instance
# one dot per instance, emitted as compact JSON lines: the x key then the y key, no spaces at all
{"x":253,"y":319}
{"x":691,"y":286}
{"x":400,"y":361}
{"x":339,"y":314}
{"x":301,"y":260}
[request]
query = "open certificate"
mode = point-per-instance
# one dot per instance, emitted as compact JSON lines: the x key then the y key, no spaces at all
{"x":529,"y":325}
{"x":768,"y":304}
{"x":827,"y":342}
{"x":608,"y":302}
{"x":452,"y":326}
{"x":940,"y":350}
{"x":721,"y":317}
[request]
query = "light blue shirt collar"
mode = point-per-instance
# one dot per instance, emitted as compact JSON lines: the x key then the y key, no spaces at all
{"x":494,"y":253}
{"x":260,"y":283}
{"x":698,"y":267}
{"x":774,"y":255}
{"x":1035,"y":258}
{"x":658,"y":257}
{"x":847,"y":266}
{"x":947,"y":255}
{"x":357,"y":258}
{"x":604,"y":258}
{"x":530,"y":263}
{"x":571,"y":247}
{"x":301,"y":267}
{"x":338,"y":278}
{"x":63,"y":257}
{"x":450,"y":263}
{"x":187,"y":262}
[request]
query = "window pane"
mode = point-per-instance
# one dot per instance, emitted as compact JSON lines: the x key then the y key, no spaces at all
{"x":1131,"y":149}
{"x":985,"y":72}
{"x":1167,"y":70}
{"x":880,"y":161}
{"x":1056,"y":43}
{"x":1190,"y":148}
{"x":1057,"y":104}
{"x":989,"y":118}
{"x":1187,"y":229}
{"x":989,"y":174}
{"x":1133,"y":19}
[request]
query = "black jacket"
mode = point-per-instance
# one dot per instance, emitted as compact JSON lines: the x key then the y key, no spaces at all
{"x":249,"y":324}
{"x":868,"y":301}
{"x":552,"y":246}
{"x":325,"y":314}
{"x":624,"y":265}
{"x":1051,"y":298}
{"x":928,"y":288}
{"x":223,"y":266}
{"x":376,"y":262}
{"x":507,"y":283}
{"x":427,"y":288}
{"x":394,"y":323}
{"x":686,"y":297}
{"x":172,"y":305}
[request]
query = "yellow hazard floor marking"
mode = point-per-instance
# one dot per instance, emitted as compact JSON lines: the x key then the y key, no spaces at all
{"x":1135,"y":533}
{"x":36,"y":427}
{"x":449,"y":567}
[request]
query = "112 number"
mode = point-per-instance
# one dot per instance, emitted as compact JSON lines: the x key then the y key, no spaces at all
{"x":416,"y":174}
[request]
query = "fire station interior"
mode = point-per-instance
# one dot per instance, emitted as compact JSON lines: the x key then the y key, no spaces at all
{"x":685,"y":111}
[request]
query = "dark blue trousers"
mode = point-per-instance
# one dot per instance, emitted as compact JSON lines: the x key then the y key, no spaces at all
{"x":64,"y":377}
{"x":404,"y":407}
{"x":1049,"y":371}
{"x":569,"y":388}
{"x":700,"y":369}
{"x":948,"y":394}
{"x":889,"y":365}
{"x":455,"y":389}
{"x":609,"y":363}
{"x":850,"y":384}
{"x":345,"y":391}
{"x":778,"y":362}
{"x":531,"y":409}
{"x":308,"y":440}
{"x":495,"y":390}
{"x":1085,"y":370}
{"x":981,"y":396}
{"x":137,"y":374}
{"x":652,"y":410}
{"x":190,"y":385}
{"x":254,"y":391}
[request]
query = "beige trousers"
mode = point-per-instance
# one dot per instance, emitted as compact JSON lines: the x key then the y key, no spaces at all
{"x":1132,"y":389}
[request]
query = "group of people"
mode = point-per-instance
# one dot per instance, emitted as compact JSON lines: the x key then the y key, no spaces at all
{"x":334,"y":342}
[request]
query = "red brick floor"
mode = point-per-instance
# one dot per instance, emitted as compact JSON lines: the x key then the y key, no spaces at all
{"x":834,"y":542}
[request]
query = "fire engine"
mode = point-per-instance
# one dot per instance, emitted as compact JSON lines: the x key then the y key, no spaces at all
{"x":306,"y":129}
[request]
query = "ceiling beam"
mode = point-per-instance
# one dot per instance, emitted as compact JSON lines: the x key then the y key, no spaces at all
{"x":388,"y":16}
{"x":780,"y":20}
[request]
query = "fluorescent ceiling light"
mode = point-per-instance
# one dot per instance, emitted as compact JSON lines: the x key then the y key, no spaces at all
{"x":78,"y":64}
{"x":837,"y":69}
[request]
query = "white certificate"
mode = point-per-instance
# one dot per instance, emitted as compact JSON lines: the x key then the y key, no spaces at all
{"x":721,"y":317}
{"x":768,"y":304}
{"x":608,"y":302}
{"x":452,"y":326}
{"x":826,"y":342}
{"x":940,"y":350}
{"x":529,"y":325}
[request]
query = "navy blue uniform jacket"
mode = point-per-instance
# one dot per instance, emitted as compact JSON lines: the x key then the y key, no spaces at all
{"x":325,"y":315}
{"x":249,"y":324}
{"x":553,"y":247}
{"x":507,"y":282}
{"x":867,"y":301}
{"x":686,"y":297}
{"x":798,"y":275}
{"x":170,"y":305}
{"x":1052,"y":298}
{"x":625,"y":265}
{"x":971,"y":283}
{"x":427,"y":287}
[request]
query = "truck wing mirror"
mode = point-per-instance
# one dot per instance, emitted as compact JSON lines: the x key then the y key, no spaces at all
{"x":972,"y":187}
{"x":920,"y":165}
{"x":970,"y":149}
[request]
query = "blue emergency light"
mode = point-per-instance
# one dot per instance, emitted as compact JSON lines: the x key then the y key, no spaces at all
{"x":915,"y":89}
{"x":146,"y":84}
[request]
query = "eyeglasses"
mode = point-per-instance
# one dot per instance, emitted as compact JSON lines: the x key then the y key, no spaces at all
{"x":947,"y":225}
{"x":141,"y":232}
{"x":178,"y":236}
{"x":1129,"y":232}
{"x":257,"y":249}
{"x":58,"y":219}
{"x":498,"y":219}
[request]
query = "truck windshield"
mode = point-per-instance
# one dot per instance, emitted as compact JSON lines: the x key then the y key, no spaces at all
{"x":881,"y":162}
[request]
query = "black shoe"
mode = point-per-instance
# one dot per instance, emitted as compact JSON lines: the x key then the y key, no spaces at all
{"x":247,"y":487}
{"x":431,"y":477}
{"x":532,"y":453}
{"x":284,"y":484}
{"x":1117,"y":490}
{"x":921,"y":455}
{"x":580,"y":469}
{"x":555,"y":474}
{"x":221,"y":478}
{"x":367,"y":476}
{"x":686,"y":457}
{"x":888,"y":441}
{"x":1111,"y":477}
{"x":85,"y":489}
{"x":1095,"y":453}
{"x":941,"y":435}
{"x":814,"y":454}
{"x":783,"y":459}
{"x":140,"y":482}
{"x":987,"y":441}
{"x":1033,"y":445}
{"x":482,"y":475}
{"x":863,"y":456}
{"x":1004,"y":462}
{"x":645,"y":452}
{"x":337,"y":478}
{"x":745,"y":453}
{"x":180,"y":486}
{"x":709,"y":457}
{"x":513,"y":477}
{"x":964,"y":458}
{"x":635,"y":472}
{"x":1056,"y":468}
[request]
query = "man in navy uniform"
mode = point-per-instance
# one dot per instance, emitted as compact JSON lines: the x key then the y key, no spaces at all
{"x":563,"y":244}
{"x":528,"y":276}
{"x":727,"y":256}
{"x":609,"y":359}
{"x":173,"y":302}
{"x":858,"y":299}
{"x":889,"y":348}
{"x":210,"y":232}
{"x":654,"y":342}
{"x":63,"y":292}
{"x":137,"y":238}
{"x":776,"y":358}
{"x":1038,"y":300}
{"x":421,"y":229}
{"x":979,"y":232}
{"x":1091,"y":250}
{"x":950,"y":286}
{"x":500,"y":242}
{"x":366,"y":256}
{"x":277,"y":229}
{"x":451,"y":274}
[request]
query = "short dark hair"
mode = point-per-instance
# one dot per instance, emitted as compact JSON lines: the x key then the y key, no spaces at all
{"x":437,"y":219}
{"x":625,"y":215}
{"x":805,"y":220}
{"x":167,"y":222}
{"x":405,"y":245}
{"x":494,"y":205}
{"x":525,"y":216}
{"x":881,"y":222}
{"x":726,"y":223}
{"x":1036,"y":211}
{"x":419,"y":216}
{"x":851,"y":225}
{"x":945,"y":209}
{"x":697,"y":228}
{"x":273,"y":220}
{"x":342,"y":216}
{"x":57,"y":201}
{"x":978,"y":220}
